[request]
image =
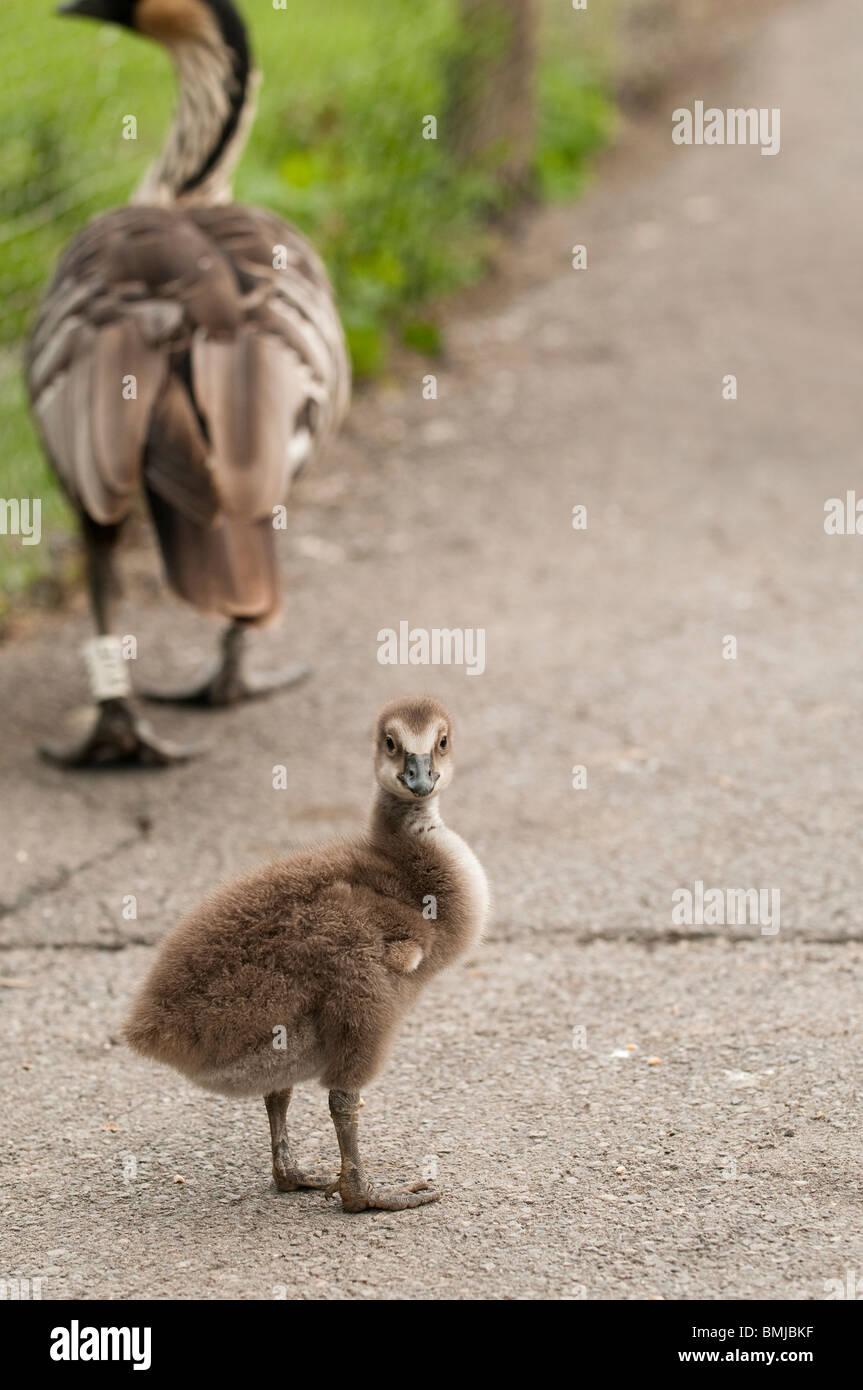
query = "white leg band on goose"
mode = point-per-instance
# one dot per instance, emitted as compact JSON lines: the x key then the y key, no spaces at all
{"x":106,"y":669}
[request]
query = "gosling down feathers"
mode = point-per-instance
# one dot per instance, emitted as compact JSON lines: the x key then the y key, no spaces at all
{"x":303,"y":970}
{"x":190,"y":347}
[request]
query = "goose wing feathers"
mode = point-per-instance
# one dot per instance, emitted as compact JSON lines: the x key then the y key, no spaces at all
{"x":200,"y":347}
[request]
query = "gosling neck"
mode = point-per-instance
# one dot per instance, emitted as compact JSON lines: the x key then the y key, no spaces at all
{"x":216,"y":100}
{"x":395,"y":818}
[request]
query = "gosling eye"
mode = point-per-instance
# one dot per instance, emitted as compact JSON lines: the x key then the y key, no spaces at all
{"x":391,"y":744}
{"x":443,"y":744}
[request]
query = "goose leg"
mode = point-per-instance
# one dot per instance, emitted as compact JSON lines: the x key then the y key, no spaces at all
{"x":225,"y":681}
{"x":287,"y":1176}
{"x":353,"y":1185}
{"x":118,"y":735}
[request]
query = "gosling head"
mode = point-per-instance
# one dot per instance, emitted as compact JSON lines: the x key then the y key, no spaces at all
{"x":413,"y":749}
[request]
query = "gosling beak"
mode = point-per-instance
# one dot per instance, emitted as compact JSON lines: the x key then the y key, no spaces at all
{"x":418,"y":775}
{"x":91,"y":9}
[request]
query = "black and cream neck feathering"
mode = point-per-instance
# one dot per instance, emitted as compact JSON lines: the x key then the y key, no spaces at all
{"x":215,"y":108}
{"x":208,"y":44}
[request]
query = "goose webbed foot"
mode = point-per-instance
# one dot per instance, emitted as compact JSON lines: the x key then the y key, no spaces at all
{"x":352,"y":1185}
{"x":118,"y":738}
{"x":226,"y":682}
{"x":218,"y":688}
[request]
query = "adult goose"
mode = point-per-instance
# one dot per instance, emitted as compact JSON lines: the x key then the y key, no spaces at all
{"x":189,"y":346}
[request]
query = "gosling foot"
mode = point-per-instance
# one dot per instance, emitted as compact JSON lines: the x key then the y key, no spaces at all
{"x":361,"y":1197}
{"x":119,"y":738}
{"x":300,"y":1179}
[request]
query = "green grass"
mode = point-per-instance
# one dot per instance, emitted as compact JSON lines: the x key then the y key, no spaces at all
{"x":336,"y":148}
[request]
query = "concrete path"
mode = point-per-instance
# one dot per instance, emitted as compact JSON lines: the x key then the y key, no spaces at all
{"x":616,"y":1105}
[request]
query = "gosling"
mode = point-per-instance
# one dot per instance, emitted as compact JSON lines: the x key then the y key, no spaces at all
{"x":304,"y":969}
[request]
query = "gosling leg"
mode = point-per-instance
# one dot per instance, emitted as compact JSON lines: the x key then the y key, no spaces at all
{"x":287,"y":1175}
{"x":352,"y":1184}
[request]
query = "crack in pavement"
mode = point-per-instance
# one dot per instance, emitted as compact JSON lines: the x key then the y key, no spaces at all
{"x":645,"y":937}
{"x":111,"y":946}
{"x":64,"y":875}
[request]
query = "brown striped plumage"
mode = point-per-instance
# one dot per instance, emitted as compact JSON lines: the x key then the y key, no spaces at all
{"x":239,"y":372}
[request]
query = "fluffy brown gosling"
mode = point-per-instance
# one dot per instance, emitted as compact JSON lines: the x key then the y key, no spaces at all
{"x":304,"y":969}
